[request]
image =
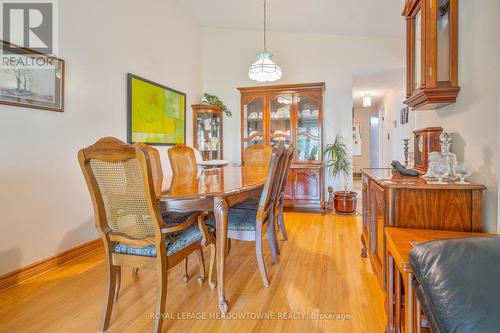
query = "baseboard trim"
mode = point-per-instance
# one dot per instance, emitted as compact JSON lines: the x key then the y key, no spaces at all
{"x":24,"y":274}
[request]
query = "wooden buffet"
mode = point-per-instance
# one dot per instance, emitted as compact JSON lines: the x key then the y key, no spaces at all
{"x":410,"y":202}
{"x":291,"y":113}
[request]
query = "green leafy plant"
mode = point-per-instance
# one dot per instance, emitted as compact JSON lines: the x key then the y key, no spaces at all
{"x":214,"y":100}
{"x":337,"y":159}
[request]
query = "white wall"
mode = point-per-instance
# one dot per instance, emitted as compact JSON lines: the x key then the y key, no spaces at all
{"x":392,"y":137}
{"x":303,"y":58}
{"x":474,"y":119}
{"x":45,"y":205}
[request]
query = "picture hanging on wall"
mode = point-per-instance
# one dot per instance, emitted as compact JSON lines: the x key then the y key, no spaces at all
{"x":356,"y":140}
{"x":404,"y":115}
{"x":156,"y":114}
{"x":31,"y":79}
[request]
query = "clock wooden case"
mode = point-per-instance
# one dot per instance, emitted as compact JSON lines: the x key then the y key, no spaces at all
{"x":432,"y":53}
{"x":425,"y":140}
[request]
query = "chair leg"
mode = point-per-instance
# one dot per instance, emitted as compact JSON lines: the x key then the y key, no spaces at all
{"x":161,"y":297}
{"x":260,"y":258}
{"x":201,"y":265}
{"x":185,"y":276}
{"x":211,"y":281}
{"x":109,"y":297}
{"x":273,"y":244}
{"x":282,"y":224}
{"x":118,"y":282}
{"x":228,"y":246}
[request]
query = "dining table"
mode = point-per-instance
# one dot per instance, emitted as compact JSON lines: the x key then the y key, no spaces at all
{"x":213,"y":190}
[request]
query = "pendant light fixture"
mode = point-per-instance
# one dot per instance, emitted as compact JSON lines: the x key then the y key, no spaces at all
{"x":367,"y":100}
{"x":264,"y":69}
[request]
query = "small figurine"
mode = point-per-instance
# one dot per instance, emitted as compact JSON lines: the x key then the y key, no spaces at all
{"x":402,"y":170}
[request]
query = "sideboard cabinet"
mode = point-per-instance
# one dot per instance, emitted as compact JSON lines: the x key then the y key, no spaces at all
{"x":410,"y":202}
{"x":293,"y":114}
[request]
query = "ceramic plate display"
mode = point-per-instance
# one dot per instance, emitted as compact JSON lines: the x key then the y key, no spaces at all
{"x":213,"y":163}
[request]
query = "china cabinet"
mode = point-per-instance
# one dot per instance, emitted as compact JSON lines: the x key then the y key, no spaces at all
{"x":293,"y":114}
{"x":432,"y":53}
{"x":207,"y":131}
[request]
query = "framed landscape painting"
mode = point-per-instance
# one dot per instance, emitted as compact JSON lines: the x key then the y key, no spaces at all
{"x":156,"y":114}
{"x":30,"y":79}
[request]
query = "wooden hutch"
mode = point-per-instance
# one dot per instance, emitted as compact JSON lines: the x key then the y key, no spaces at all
{"x":411,"y":202}
{"x":291,"y":113}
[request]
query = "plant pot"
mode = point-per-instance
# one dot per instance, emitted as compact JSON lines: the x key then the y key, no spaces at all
{"x":345,"y":202}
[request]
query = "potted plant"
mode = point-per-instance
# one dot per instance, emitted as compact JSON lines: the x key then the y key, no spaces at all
{"x":214,"y":100}
{"x":338,"y":162}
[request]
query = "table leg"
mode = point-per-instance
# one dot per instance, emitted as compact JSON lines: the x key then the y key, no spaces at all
{"x":389,"y":293}
{"x":397,"y":303}
{"x":418,"y":320}
{"x":220,"y":212}
{"x":409,"y":306}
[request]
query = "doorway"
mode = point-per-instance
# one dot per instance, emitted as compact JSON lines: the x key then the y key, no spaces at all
{"x":374,"y":143}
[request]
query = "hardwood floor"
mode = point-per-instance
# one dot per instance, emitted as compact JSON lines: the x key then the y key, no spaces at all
{"x":320,"y":271}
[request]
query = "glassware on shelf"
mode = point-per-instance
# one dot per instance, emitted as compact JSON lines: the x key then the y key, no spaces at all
{"x":445,"y":156}
{"x":450,"y":157}
{"x":280,"y":106}
{"x":440,"y":168}
{"x":462,"y":171}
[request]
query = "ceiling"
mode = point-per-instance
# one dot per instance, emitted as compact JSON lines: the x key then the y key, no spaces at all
{"x":339,"y":17}
{"x":377,"y":85}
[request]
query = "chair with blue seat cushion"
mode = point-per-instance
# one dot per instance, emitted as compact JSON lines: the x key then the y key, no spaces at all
{"x":252,"y":203}
{"x":134,"y":232}
{"x":250,"y":225}
{"x":457,"y":283}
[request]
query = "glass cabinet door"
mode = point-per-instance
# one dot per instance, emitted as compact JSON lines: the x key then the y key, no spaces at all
{"x":209,"y":135}
{"x":280,"y":118}
{"x":308,"y":129}
{"x":253,"y":121}
{"x":417,"y":50}
{"x":443,"y":41}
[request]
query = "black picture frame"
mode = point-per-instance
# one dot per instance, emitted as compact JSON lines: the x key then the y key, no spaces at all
{"x":130,"y":140}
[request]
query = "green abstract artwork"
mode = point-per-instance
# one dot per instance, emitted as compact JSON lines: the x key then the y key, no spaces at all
{"x":156,"y":114}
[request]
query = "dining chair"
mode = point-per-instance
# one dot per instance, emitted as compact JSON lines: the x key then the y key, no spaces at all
{"x":257,"y":155}
{"x":156,"y":168}
{"x":182,"y":159}
{"x":250,"y":225}
{"x":280,"y":200}
{"x":120,"y":181}
{"x":173,"y":217}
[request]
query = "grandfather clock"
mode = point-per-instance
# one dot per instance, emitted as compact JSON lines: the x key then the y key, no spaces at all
{"x":432,"y":53}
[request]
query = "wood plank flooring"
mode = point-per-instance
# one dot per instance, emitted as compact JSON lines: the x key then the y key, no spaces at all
{"x":320,"y":272}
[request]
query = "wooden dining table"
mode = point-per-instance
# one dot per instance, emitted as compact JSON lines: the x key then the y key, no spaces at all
{"x":213,"y":190}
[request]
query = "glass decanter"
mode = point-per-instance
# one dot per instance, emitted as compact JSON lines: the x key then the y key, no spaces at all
{"x":448,"y":157}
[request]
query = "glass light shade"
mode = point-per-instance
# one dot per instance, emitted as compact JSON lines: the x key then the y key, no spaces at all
{"x":264,"y":69}
{"x":367,"y":101}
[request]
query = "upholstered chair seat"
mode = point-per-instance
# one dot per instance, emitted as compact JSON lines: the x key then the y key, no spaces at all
{"x":238,"y":219}
{"x":174,"y":242}
{"x":251,"y":203}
